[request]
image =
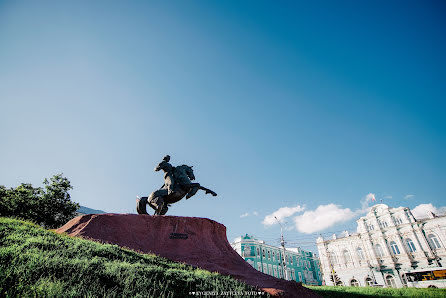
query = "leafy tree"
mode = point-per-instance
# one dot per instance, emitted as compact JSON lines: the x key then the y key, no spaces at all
{"x":50,"y":206}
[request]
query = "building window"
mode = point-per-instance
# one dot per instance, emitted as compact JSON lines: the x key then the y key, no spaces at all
{"x":395,"y":249}
{"x":434,"y":241}
{"x":275,"y":271}
{"x":291,"y":260}
{"x":280,"y":272}
{"x":263,"y":252}
{"x":259,"y":267}
{"x":385,"y":224}
{"x":347,"y":257}
{"x":360,"y":253}
{"x":300,"y":276}
{"x":274,"y":256}
{"x":332,"y":258}
{"x":354,"y":283}
{"x":368,"y":282}
{"x":265,"y":269}
{"x":379,"y":251}
{"x":247,"y":251}
{"x":258,"y":252}
{"x":286,"y":258}
{"x":411,"y":245}
{"x":269,"y":254}
{"x":390,"y":281}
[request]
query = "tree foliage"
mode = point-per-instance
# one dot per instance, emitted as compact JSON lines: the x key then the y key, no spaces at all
{"x":49,"y":206}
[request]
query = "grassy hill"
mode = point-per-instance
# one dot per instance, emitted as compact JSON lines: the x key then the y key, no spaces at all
{"x":38,"y":262}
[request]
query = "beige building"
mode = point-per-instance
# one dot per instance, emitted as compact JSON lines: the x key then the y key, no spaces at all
{"x":389,"y":244}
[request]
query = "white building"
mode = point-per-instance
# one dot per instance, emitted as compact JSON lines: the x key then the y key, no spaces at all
{"x":389,"y":243}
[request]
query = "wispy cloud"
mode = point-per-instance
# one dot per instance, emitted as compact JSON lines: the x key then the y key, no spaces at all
{"x":281,"y":214}
{"x":423,"y":210}
{"x":366,"y":200}
{"x":408,"y":196}
{"x":323,"y":217}
{"x":387,"y":197}
{"x":246,"y":214}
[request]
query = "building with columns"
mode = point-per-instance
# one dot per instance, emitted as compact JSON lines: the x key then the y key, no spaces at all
{"x":291,"y":264}
{"x":389,"y":243}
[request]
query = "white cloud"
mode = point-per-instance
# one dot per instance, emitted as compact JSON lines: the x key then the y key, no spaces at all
{"x":281,"y":214}
{"x":366,"y":200}
{"x":244,"y":215}
{"x":408,"y":196}
{"x":422,"y":210}
{"x":387,"y":197}
{"x":322,"y":218}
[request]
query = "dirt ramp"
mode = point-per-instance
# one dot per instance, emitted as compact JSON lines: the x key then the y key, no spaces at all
{"x":200,"y":242}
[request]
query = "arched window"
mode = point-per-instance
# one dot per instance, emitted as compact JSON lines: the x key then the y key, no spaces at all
{"x":269,"y":254}
{"x":354,"y":283}
{"x":434,"y":241}
{"x":332,"y":258}
{"x":360,"y":254}
{"x":258,"y":251}
{"x":395,"y":249}
{"x":368,"y":282}
{"x":263,"y":252}
{"x":379,"y":251}
{"x":411,"y":245}
{"x":390,"y":281}
{"x":347,"y":257}
{"x":339,"y":283}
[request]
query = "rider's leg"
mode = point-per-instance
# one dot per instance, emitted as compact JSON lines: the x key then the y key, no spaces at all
{"x":169,"y":182}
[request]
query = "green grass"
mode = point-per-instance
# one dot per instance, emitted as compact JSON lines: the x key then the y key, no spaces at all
{"x":363,"y":292}
{"x":35,"y":262}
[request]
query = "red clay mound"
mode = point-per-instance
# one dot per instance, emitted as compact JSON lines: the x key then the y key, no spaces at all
{"x":200,"y":242}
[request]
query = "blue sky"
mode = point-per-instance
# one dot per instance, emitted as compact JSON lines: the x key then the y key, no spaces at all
{"x":275,"y":104}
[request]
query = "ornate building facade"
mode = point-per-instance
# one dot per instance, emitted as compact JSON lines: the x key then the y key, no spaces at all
{"x":389,"y":243}
{"x":301,"y":266}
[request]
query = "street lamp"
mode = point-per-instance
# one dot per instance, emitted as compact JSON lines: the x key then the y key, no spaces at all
{"x":282,"y":242}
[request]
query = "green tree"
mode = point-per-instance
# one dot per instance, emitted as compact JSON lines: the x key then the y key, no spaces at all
{"x":49,"y":207}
